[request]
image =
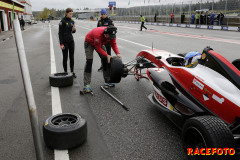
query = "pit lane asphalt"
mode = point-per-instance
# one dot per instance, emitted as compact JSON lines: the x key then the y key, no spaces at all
{"x":141,"y":133}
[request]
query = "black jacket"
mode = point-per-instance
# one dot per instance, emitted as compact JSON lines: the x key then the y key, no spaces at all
{"x":220,"y":17}
{"x":105,"y":22}
{"x":65,"y":30}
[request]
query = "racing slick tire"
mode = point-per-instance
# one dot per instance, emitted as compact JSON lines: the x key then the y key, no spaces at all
{"x":116,"y":70}
{"x":61,"y":79}
{"x":236,"y":63}
{"x":64,"y":131}
{"x":207,"y":132}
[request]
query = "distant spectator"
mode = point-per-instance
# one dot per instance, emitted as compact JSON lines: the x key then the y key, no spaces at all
{"x":193,"y":18}
{"x":182,"y":17}
{"x":22,"y":23}
{"x":220,"y":18}
{"x":201,"y":18}
{"x":212,"y":16}
{"x":155,"y":17}
{"x":205,"y":18}
{"x":172,"y":17}
{"x":197,"y":18}
{"x":142,"y":22}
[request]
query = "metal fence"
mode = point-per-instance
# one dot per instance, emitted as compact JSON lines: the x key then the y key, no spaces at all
{"x":185,"y":11}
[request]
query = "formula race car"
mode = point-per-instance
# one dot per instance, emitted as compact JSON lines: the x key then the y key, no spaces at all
{"x":203,"y":100}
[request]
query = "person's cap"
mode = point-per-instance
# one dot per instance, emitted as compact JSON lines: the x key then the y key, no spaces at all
{"x":103,"y":11}
{"x":112,"y":31}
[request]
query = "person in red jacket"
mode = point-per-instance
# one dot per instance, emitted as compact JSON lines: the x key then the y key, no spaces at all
{"x":172,"y":17}
{"x":95,"y":40}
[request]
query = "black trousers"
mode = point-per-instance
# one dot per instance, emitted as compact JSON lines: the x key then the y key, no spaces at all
{"x":142,"y":26}
{"x":68,"y":50}
{"x":108,"y":48}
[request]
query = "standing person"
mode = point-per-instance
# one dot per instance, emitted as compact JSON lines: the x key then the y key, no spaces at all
{"x":212,"y":16}
{"x":220,"y":18}
{"x":182,"y":17}
{"x":142,"y":22}
{"x":193,"y":18}
{"x":66,"y":28}
{"x":105,"y":21}
{"x":201,"y":18}
{"x":172,"y":17}
{"x":197,"y":16}
{"x":155,"y":17}
{"x":22,"y":23}
{"x":95,"y":40}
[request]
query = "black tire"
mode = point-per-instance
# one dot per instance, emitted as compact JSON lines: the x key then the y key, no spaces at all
{"x":207,"y":132}
{"x":61,"y":79}
{"x":236,"y":63}
{"x":116,"y":70}
{"x":64,"y":131}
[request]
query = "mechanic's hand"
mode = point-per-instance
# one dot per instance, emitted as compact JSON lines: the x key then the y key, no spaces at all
{"x":73,"y":28}
{"x":109,"y":58}
{"x":119,"y":56}
{"x":62,"y":47}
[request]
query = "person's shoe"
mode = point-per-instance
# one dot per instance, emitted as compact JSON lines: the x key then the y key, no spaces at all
{"x":74,"y":75}
{"x":109,"y":84}
{"x":145,"y":29}
{"x":100,"y":69}
{"x":87,"y":88}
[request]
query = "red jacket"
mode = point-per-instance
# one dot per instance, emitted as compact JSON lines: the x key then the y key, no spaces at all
{"x":96,"y":38}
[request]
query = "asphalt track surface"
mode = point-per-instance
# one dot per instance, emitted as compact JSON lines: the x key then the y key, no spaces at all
{"x":113,"y":133}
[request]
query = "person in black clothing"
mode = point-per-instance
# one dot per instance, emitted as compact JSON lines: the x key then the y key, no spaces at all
{"x":155,"y":17}
{"x":220,"y":18}
{"x":66,"y":28}
{"x":22,"y":23}
{"x":104,"y":22}
{"x":182,"y":17}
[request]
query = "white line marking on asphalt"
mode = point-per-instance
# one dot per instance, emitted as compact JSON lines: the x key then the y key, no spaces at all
{"x":56,"y":102}
{"x":135,"y":43}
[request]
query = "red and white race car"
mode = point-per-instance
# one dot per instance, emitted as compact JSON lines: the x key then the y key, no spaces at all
{"x":203,"y":101}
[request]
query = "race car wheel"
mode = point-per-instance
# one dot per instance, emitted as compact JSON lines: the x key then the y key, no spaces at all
{"x":236,"y":63}
{"x":64,"y":131}
{"x":61,"y":79}
{"x":116,"y":70}
{"x":207,"y":132}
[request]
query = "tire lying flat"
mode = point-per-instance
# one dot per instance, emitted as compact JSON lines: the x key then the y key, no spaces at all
{"x":207,"y":132}
{"x":64,"y":131}
{"x":116,"y":70}
{"x":61,"y":79}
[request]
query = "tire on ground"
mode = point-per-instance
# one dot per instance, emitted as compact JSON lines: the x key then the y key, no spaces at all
{"x":61,"y":79}
{"x":207,"y":132}
{"x":236,"y":63}
{"x":116,"y":70}
{"x":64,"y":131}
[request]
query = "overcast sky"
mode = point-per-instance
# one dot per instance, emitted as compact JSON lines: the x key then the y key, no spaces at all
{"x":38,"y":5}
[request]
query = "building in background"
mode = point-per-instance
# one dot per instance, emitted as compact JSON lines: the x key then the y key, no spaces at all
{"x":27,"y":10}
{"x":6,"y":13}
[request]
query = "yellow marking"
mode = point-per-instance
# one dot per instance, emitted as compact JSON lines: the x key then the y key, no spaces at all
{"x":204,"y":55}
{"x":10,"y":6}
